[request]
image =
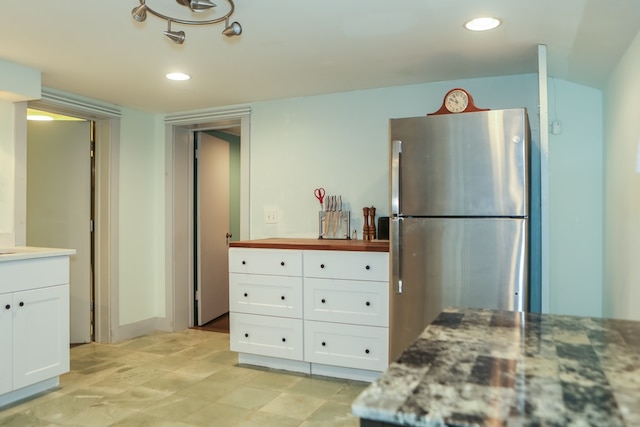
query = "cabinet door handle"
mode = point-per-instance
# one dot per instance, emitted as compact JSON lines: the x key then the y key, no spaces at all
{"x":367,"y":351}
{"x":246,"y":294}
{"x":321,"y":265}
{"x":246,"y":335}
{"x":324,"y":344}
{"x":244,"y":262}
{"x":368,"y":267}
{"x":323,"y":300}
{"x":8,"y":306}
{"x":21,"y":304}
{"x":282,"y":297}
{"x":368,"y":303}
{"x":282,"y":263}
{"x":284,"y":340}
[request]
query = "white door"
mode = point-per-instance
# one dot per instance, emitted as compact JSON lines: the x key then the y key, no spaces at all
{"x":212,"y":183}
{"x":59,"y":206}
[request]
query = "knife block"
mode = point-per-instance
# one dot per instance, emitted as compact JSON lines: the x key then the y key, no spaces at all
{"x":334,"y":225}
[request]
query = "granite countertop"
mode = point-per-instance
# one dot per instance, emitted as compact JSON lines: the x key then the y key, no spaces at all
{"x":497,"y":368}
{"x":315,"y":244}
{"x":26,"y":252}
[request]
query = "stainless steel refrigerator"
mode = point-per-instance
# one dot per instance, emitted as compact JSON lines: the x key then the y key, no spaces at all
{"x":459,"y":221}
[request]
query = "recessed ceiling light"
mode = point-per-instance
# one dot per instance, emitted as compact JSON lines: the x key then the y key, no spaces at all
{"x":178,"y":76}
{"x":482,"y":24}
{"x":38,"y":117}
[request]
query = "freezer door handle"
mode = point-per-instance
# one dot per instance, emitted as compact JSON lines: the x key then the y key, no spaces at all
{"x":396,"y":150}
{"x":396,"y":254}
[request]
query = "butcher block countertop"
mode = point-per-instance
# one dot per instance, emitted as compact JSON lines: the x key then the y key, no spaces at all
{"x":473,"y":368}
{"x":315,"y":244}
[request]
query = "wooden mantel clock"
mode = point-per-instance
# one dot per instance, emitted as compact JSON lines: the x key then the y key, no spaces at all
{"x":457,"y":100}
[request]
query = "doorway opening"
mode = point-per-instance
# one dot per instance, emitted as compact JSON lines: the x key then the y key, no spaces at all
{"x":184,"y":225}
{"x":60,"y":204}
{"x":104,"y":131}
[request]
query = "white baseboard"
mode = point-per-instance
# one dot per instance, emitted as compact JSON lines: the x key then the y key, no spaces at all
{"x":28,"y":391}
{"x":308,"y":368}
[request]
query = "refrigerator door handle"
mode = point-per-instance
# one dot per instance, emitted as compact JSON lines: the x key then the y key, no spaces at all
{"x":396,"y":149}
{"x":396,"y":254}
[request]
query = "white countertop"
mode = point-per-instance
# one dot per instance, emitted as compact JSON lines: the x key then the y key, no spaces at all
{"x":26,"y":252}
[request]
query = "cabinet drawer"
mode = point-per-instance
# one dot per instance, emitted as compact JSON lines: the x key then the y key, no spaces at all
{"x":347,"y":265}
{"x":21,"y":275}
{"x":347,"y":301}
{"x":265,"y":261}
{"x":269,"y":295}
{"x":266,"y":335}
{"x":350,"y":346}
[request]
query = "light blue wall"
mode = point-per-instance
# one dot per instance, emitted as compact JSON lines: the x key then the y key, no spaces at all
{"x":622,"y":188}
{"x":575,"y":200}
{"x":341,"y":142}
{"x":141,"y":218}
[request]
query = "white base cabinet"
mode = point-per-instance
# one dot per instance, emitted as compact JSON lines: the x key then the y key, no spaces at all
{"x":323,"y":309}
{"x":34,"y":325}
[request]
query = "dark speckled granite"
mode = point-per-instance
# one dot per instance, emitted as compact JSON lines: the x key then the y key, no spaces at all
{"x":507,"y":369}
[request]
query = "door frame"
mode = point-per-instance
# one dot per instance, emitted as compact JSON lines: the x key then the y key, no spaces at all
{"x":106,"y":203}
{"x":179,"y":202}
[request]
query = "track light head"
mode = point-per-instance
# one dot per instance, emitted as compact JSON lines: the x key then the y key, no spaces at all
{"x":139,"y":13}
{"x":175,"y":36}
{"x":197,"y":5}
{"x":235,"y":29}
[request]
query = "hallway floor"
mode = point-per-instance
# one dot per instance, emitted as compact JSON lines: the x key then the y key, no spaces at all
{"x":189,"y":378}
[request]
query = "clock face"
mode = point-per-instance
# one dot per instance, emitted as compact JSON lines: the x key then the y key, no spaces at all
{"x":456,"y":101}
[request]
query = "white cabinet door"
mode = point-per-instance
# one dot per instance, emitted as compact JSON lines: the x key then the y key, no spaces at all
{"x":6,"y":350}
{"x":40,"y":334}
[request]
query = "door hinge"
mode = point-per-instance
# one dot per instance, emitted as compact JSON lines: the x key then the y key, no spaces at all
{"x":198,"y":295}
{"x":91,"y":225}
{"x":93,"y":149}
{"x":92,"y":306}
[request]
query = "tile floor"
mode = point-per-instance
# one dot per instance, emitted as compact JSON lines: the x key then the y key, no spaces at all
{"x":189,"y":378}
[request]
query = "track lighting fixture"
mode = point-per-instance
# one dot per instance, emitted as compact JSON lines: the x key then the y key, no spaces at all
{"x":139,"y":14}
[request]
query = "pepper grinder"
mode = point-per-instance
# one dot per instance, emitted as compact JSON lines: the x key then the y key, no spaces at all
{"x":372,"y":227}
{"x":365,"y":227}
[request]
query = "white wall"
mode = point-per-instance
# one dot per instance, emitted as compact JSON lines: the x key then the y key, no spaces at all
{"x":7,"y":149}
{"x":622,"y":188}
{"x":575,"y":200}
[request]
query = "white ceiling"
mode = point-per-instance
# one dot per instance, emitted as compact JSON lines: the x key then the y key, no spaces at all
{"x":295,"y":47}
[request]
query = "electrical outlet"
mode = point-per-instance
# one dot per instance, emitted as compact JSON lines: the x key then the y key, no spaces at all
{"x":270,"y":216}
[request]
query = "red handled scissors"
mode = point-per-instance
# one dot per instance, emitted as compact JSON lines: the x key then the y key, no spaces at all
{"x":319,"y":193}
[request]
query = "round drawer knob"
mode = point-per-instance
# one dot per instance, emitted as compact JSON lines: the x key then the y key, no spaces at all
{"x":246,"y":335}
{"x":367,"y":351}
{"x":246,"y":294}
{"x":282,"y":263}
{"x":321,"y":265}
{"x":368,"y":267}
{"x":368,"y":303}
{"x":324,"y":344}
{"x":244,"y":262}
{"x":7,"y":306}
{"x":284,"y":340}
{"x":282,"y":297}
{"x":323,"y":300}
{"x":21,"y":304}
